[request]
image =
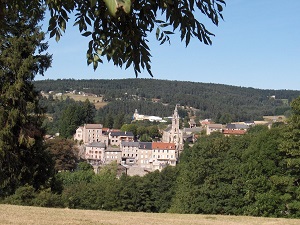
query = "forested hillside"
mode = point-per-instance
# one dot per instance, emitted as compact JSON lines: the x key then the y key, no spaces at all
{"x":214,"y":101}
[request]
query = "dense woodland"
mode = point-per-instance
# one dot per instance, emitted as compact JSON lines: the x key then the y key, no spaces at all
{"x":222,"y":103}
{"x":256,"y":174}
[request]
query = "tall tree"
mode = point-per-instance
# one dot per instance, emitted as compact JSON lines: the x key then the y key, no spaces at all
{"x":23,"y":158}
{"x":290,"y":148}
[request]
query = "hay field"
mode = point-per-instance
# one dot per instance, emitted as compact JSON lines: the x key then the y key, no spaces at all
{"x":24,"y":215}
{"x":97,"y":101}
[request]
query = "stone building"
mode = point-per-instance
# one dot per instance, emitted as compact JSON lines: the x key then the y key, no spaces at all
{"x":89,"y":133}
{"x":173,"y":134}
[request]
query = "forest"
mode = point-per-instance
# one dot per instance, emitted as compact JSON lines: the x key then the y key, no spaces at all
{"x":256,"y":174}
{"x":222,"y":103}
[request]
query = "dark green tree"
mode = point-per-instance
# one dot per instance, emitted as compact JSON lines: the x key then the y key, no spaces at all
{"x":290,"y":148}
{"x":23,"y":159}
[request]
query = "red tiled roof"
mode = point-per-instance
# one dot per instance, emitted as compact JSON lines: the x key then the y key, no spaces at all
{"x":161,"y":145}
{"x":234,"y":132}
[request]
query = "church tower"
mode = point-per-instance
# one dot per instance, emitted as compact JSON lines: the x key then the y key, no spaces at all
{"x":175,"y":132}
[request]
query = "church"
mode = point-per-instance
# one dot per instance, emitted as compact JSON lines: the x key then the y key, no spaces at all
{"x":173,"y":134}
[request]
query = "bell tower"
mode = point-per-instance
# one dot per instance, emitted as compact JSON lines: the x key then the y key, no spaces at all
{"x":175,"y":132}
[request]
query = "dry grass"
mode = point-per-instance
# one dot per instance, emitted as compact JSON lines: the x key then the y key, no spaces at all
{"x":98,"y":101}
{"x":11,"y":214}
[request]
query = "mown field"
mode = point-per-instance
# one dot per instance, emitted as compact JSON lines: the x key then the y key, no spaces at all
{"x":11,"y":214}
{"x":98,"y":101}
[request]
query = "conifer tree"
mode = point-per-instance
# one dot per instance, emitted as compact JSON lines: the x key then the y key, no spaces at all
{"x":23,"y":159}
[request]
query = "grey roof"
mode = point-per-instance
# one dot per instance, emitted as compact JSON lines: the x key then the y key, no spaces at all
{"x":241,"y":126}
{"x":96,"y":144}
{"x":236,"y":126}
{"x":110,"y":149}
{"x":194,"y":129}
{"x":230,"y":126}
{"x":121,"y":133}
{"x":130,"y":143}
{"x":215,"y":126}
{"x":93,"y":126}
{"x":145,"y":145}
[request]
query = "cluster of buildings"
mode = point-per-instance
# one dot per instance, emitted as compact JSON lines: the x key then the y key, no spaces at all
{"x":103,"y":146}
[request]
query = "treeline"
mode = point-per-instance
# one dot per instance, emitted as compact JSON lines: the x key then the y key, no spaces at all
{"x":64,"y":116}
{"x":256,"y":174}
{"x":211,"y":100}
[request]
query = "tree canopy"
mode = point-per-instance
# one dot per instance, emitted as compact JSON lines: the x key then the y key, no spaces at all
{"x":119,"y":29}
{"x":23,"y":159}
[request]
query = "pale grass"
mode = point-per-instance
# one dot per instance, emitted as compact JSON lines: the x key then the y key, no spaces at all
{"x":11,"y":214}
{"x":97,"y":101}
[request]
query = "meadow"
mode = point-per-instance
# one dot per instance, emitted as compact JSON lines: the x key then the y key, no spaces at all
{"x":12,"y":214}
{"x":97,"y":101}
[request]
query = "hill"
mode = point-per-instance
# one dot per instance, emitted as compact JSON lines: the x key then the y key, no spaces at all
{"x":46,"y":216}
{"x":209,"y":100}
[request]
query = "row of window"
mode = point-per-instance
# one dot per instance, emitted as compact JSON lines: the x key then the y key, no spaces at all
{"x":160,"y":156}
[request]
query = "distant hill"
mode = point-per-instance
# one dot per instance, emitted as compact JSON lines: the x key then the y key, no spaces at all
{"x":209,"y":100}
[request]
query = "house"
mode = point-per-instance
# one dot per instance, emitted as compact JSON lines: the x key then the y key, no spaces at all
{"x":115,"y":138}
{"x":213,"y":128}
{"x":112,"y":154}
{"x":145,"y":155}
{"x":163,"y":154}
{"x":205,"y":122}
{"x":95,"y":153}
{"x":129,"y":152}
{"x":89,"y":133}
{"x":233,"y":126}
{"x":138,"y":117}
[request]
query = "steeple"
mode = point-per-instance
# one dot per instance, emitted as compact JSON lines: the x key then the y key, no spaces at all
{"x":175,"y":132}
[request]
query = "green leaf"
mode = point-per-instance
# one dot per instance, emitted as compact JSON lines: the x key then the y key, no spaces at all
{"x":86,"y":34}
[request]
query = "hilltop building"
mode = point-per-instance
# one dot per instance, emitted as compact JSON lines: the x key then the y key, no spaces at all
{"x":139,"y":117}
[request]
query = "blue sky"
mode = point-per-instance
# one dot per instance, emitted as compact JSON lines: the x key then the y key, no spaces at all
{"x":257,"y":45}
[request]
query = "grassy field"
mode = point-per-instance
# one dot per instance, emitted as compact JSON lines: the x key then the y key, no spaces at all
{"x":11,"y":214}
{"x":98,"y":101}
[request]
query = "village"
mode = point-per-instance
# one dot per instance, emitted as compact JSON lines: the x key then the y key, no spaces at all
{"x":100,"y":146}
